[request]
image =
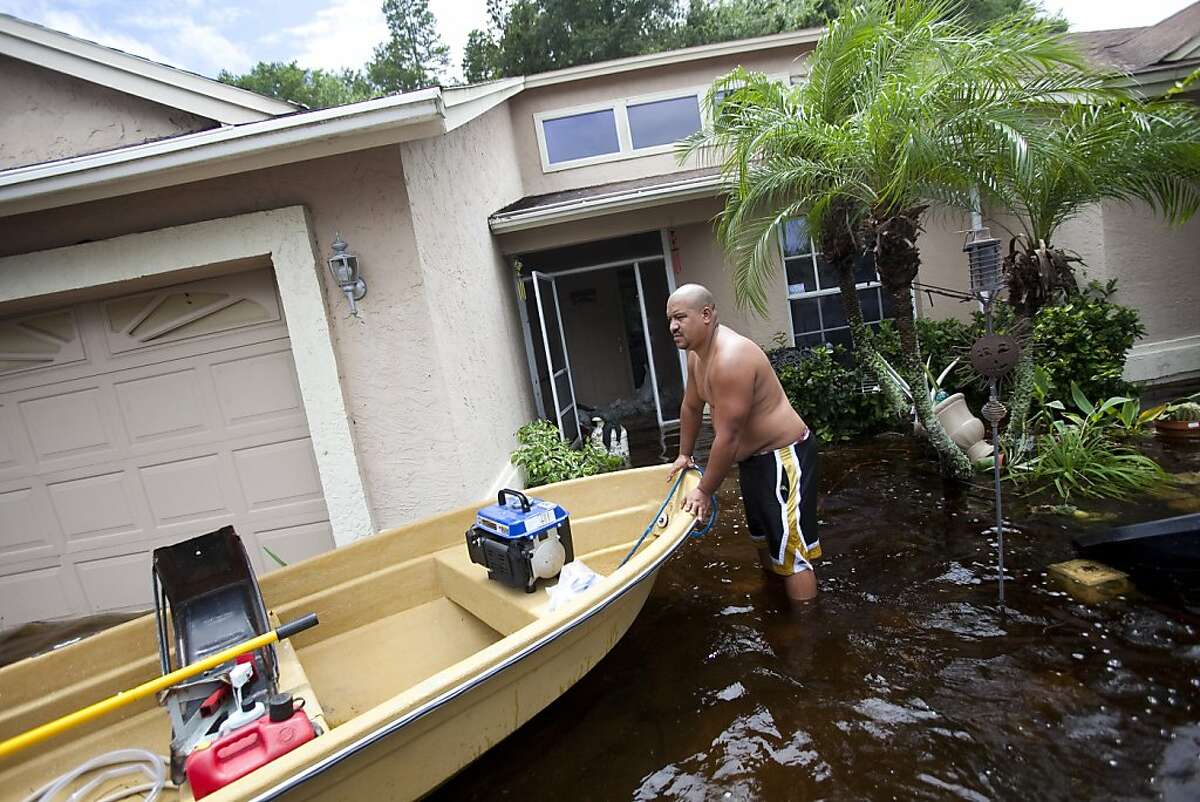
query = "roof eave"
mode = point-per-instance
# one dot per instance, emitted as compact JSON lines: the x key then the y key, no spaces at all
{"x":222,"y":151}
{"x":134,"y":75}
{"x":602,"y":205}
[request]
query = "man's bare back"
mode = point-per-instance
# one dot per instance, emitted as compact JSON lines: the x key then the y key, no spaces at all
{"x":771,"y":421}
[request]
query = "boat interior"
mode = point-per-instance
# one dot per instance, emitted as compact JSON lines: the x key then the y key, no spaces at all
{"x":395,"y":610}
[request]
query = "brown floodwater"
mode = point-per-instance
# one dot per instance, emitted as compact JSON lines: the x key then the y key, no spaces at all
{"x":902,"y":681}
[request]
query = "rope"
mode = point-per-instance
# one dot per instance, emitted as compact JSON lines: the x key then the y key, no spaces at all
{"x":712,"y":520}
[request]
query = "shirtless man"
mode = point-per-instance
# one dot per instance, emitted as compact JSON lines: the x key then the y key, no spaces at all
{"x":755,"y":427}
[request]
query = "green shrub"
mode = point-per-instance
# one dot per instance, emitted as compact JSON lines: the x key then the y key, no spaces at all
{"x":1085,"y":341}
{"x":1186,"y":411}
{"x":827,"y":390}
{"x":1077,"y":454}
{"x":547,"y":458}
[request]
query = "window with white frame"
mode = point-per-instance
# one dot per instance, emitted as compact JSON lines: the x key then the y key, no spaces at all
{"x":814,"y":297}
{"x":619,"y":129}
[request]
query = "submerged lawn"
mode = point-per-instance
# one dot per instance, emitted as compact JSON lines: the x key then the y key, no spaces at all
{"x":903,"y":681}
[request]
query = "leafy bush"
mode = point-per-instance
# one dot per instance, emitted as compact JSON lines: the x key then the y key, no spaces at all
{"x":1085,"y":341}
{"x":547,"y":458}
{"x":827,"y":390}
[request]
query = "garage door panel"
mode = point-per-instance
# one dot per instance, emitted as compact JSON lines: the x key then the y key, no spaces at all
{"x":194,"y":424}
{"x":68,"y":424}
{"x":162,"y":407}
{"x":257,"y":389}
{"x":186,"y":489}
{"x":94,"y":509}
{"x":120,"y":582}
{"x":38,"y":595}
{"x":293,"y":543}
{"x":24,"y":531}
{"x":278,"y":473}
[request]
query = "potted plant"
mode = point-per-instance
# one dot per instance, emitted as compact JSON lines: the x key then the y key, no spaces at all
{"x":966,"y":430}
{"x":1180,"y":422}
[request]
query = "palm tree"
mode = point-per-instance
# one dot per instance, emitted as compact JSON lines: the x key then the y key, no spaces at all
{"x":900,"y":100}
{"x":1125,"y":149}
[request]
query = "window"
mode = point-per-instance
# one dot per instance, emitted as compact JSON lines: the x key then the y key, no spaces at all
{"x":663,"y":122}
{"x":620,"y":129}
{"x":579,"y":136}
{"x":813,"y":294}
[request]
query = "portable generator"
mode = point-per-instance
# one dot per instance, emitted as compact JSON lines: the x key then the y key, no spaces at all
{"x":521,"y":540}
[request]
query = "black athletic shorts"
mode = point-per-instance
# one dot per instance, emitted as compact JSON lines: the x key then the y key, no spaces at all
{"x":779,"y":492}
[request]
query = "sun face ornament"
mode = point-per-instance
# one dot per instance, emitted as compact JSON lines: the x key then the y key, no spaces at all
{"x":995,"y":355}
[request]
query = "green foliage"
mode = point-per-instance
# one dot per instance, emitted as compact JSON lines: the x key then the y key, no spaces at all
{"x":1077,"y":455}
{"x":527,"y":36}
{"x":414,"y":56}
{"x":530,"y":36}
{"x":316,"y":89}
{"x":547,"y":458}
{"x":829,"y":394}
{"x":1085,"y":341}
{"x":1187,"y":411}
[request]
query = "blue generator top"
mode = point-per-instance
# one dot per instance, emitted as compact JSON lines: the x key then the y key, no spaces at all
{"x":518,"y":516}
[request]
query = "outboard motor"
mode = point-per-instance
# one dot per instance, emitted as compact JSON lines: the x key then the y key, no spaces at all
{"x":521,"y":540}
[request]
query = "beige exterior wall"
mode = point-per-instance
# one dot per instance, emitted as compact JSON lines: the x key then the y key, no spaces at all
{"x":391,"y":367}
{"x":46,"y":115}
{"x":454,"y":183}
{"x":631,"y":84}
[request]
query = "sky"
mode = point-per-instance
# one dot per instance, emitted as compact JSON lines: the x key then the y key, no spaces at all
{"x":206,"y":36}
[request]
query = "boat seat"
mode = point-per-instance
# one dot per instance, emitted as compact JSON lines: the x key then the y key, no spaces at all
{"x":502,"y":608}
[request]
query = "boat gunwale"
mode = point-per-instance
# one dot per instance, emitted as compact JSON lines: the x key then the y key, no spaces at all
{"x":432,"y":704}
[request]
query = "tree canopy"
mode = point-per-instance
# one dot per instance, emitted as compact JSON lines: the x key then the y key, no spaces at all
{"x":529,"y":36}
{"x":413,"y":57}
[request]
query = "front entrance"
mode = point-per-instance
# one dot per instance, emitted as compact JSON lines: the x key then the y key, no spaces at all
{"x":597,"y":339}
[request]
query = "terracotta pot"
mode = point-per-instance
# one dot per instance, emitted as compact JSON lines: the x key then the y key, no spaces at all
{"x":964,"y":429}
{"x":1178,"y":429}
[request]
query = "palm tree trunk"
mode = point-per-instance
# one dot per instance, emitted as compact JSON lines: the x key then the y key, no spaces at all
{"x":841,"y":248}
{"x":897,"y":259}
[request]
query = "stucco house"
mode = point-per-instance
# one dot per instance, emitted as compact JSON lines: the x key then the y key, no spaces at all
{"x":175,"y":354}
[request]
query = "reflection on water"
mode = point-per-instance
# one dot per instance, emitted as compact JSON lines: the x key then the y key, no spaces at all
{"x":902,"y":680}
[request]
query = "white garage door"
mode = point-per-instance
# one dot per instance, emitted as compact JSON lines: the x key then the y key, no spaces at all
{"x":142,"y":420}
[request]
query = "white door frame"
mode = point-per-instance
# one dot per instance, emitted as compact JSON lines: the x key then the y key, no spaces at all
{"x":285,"y":237}
{"x":663,"y":422}
{"x":559,"y":406}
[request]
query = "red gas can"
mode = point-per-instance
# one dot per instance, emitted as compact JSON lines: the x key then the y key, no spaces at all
{"x":244,"y":750}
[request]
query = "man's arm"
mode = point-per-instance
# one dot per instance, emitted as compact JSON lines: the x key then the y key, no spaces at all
{"x":732,"y":387}
{"x":691,"y":411}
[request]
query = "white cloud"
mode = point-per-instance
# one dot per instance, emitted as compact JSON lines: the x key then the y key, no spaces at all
{"x":456,"y":19}
{"x":200,"y":45}
{"x":342,"y":35}
{"x":72,"y":24}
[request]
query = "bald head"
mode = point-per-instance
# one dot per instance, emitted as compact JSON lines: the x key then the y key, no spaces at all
{"x":693,"y":296}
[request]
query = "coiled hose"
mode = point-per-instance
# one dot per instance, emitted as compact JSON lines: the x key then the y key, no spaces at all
{"x":122,"y":762}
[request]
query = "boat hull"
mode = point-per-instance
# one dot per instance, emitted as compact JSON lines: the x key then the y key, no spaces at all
{"x":419,"y":664}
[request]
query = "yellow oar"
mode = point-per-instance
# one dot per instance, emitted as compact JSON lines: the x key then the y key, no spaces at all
{"x":39,"y":734}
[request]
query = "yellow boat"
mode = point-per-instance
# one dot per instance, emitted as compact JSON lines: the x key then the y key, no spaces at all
{"x":419,"y":665}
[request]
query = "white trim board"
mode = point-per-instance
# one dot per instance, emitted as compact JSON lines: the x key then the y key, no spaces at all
{"x":717,"y":50}
{"x":284,"y":236}
{"x":1165,"y":360}
{"x":134,"y":75}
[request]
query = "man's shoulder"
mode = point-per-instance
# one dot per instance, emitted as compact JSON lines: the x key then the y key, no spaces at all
{"x":737,"y":353}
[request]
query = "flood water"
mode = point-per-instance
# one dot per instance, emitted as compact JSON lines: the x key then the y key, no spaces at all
{"x":902,"y":681}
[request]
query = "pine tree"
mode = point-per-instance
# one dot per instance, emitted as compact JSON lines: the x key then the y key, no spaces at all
{"x":414,"y":57}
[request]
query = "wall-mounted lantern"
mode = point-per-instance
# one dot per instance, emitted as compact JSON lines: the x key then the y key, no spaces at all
{"x":344,"y":267}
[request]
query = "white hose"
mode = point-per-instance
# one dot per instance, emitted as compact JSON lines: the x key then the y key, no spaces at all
{"x":127,"y":761}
